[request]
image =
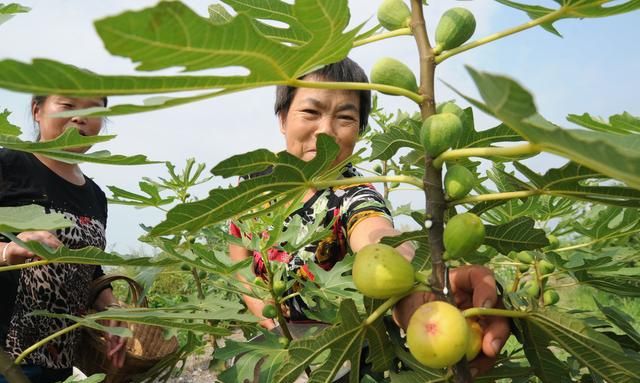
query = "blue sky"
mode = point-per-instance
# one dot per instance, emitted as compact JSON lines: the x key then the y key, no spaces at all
{"x":593,"y":68}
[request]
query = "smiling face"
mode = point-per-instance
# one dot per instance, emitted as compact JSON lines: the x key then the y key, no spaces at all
{"x":52,"y":127}
{"x":314,"y":111}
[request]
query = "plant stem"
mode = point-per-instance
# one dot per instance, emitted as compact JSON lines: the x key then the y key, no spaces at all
{"x":433,"y":190}
{"x":24,"y":265}
{"x":356,"y":86}
{"x":196,"y":277}
{"x":12,"y":372}
{"x":510,"y":151}
{"x":382,"y":36}
{"x":383,"y":308}
{"x":496,"y":197}
{"x":481,"y":311}
{"x":580,"y":245}
{"x":496,"y":36}
{"x":361,"y":180}
{"x":40,"y":343}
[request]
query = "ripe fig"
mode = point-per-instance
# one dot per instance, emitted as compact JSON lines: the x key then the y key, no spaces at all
{"x":455,"y":27}
{"x":463,"y":234}
{"x":380,"y":271}
{"x":389,"y":71}
{"x":440,"y":132}
{"x":458,"y":182}
{"x":269,"y":311}
{"x":394,"y":14}
{"x":438,"y":334}
{"x":550,"y":297}
{"x":475,"y":339}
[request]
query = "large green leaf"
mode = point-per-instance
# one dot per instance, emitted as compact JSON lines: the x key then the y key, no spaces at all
{"x":385,"y":145}
{"x":71,"y":138}
{"x":7,"y":128}
{"x":422,"y":258}
{"x":609,"y":154}
{"x":610,"y":222}
{"x":290,"y":178}
{"x":623,"y":282}
{"x":592,"y":349}
{"x":29,"y":218}
{"x":343,"y":342}
{"x":172,"y":35}
{"x":578,"y":9}
{"x":152,"y":199}
{"x":517,"y":235}
{"x":264,"y":354}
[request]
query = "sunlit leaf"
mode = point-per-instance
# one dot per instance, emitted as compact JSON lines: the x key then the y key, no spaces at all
{"x":150,"y":37}
{"x":30,"y":218}
{"x":622,"y":320}
{"x":290,"y":178}
{"x":620,"y":123}
{"x":8,"y":10}
{"x":153,"y":198}
{"x":610,"y":154}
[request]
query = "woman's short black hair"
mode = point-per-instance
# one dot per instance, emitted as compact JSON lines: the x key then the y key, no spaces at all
{"x":346,"y":70}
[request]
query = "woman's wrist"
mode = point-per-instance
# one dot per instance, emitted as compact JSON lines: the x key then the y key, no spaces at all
{"x":4,"y":256}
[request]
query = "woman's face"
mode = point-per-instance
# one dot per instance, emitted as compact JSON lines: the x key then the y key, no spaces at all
{"x":52,"y":127}
{"x":314,"y":111}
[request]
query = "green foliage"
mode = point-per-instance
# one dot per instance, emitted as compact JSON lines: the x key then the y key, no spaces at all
{"x":30,"y":217}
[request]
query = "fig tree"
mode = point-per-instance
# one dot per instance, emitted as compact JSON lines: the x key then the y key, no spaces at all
{"x":455,"y":27}
{"x":475,"y":339}
{"x":269,"y":311}
{"x":185,"y":267}
{"x":463,"y":234}
{"x":438,"y":334}
{"x":259,"y":282}
{"x":550,"y":297}
{"x":394,"y":14}
{"x":380,"y":271}
{"x":554,"y":243}
{"x":440,"y":132}
{"x":458,"y":182}
{"x":389,"y":71}
{"x":283,"y":341}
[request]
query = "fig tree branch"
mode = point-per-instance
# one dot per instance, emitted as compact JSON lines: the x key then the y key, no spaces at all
{"x":548,"y":18}
{"x":382,"y":36}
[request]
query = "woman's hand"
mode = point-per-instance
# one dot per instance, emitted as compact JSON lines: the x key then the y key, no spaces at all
{"x":471,"y":286}
{"x":15,"y":254}
{"x":116,"y":346}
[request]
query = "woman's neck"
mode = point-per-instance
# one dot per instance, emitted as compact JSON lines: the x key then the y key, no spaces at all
{"x":69,"y":172}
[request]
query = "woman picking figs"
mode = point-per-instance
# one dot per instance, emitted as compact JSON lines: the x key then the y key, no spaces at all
{"x":357,"y":214}
{"x":60,"y":187}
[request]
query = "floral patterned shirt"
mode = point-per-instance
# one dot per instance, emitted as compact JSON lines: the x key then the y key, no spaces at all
{"x":340,"y":208}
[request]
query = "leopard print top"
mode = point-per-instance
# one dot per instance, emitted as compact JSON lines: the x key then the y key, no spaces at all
{"x":56,"y":288}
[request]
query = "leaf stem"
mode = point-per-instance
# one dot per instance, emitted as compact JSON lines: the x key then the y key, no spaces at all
{"x":24,"y":265}
{"x":357,"y":86}
{"x":580,"y":245}
{"x":383,"y":308}
{"x":481,"y":311}
{"x":360,"y":180}
{"x":496,"y":197}
{"x":382,"y":36}
{"x":510,"y":151}
{"x":40,"y":343}
{"x":548,"y":18}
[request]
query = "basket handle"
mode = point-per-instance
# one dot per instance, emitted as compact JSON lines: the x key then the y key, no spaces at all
{"x":102,"y":282}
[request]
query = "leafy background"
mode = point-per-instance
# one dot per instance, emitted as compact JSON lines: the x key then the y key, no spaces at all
{"x":593,"y":90}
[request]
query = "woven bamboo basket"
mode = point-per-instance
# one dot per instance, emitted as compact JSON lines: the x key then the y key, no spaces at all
{"x":145,"y":348}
